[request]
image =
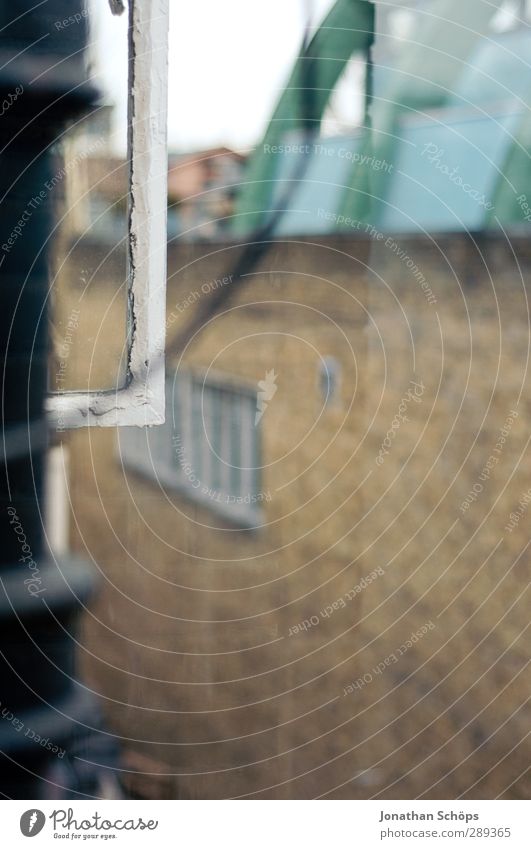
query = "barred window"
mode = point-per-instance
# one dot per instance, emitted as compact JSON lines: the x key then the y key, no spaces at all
{"x":208,"y":449}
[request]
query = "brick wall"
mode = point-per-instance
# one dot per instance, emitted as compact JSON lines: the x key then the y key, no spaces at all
{"x":193,"y":641}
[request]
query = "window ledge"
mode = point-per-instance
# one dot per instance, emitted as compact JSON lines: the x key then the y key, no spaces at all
{"x":244,"y":516}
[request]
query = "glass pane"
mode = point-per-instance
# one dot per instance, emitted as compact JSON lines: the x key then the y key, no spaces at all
{"x":349,"y":265}
{"x":89,"y":278}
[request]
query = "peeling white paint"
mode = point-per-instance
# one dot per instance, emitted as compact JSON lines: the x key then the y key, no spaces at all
{"x":141,"y":401}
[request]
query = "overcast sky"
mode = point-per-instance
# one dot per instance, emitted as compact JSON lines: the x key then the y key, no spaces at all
{"x":228,"y":63}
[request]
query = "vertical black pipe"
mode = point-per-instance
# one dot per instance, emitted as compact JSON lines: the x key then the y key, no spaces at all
{"x":43,"y":85}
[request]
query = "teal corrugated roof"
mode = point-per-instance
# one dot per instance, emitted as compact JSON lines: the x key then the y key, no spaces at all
{"x":317,"y":198}
{"x":445,"y":175}
{"x":451,"y":121}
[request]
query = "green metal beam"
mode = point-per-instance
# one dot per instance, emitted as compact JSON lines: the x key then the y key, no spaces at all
{"x":348,"y":28}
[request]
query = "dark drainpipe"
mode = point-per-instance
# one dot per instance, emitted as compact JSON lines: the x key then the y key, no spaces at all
{"x":45,"y":715}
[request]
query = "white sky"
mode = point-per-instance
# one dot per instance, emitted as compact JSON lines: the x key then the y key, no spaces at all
{"x":228,"y":63}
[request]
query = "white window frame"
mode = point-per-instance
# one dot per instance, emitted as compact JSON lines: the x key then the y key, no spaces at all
{"x":141,"y":400}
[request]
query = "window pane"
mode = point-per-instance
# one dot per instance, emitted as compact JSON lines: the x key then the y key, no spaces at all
{"x":89,"y":278}
{"x":236,"y":425}
{"x":335,"y":212}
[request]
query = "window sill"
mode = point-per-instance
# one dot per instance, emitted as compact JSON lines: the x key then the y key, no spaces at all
{"x":243,"y":516}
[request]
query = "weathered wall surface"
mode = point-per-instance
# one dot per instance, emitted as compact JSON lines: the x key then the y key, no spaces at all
{"x":193,"y":641}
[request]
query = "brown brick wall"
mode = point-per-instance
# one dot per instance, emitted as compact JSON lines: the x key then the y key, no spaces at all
{"x":189,"y":640}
